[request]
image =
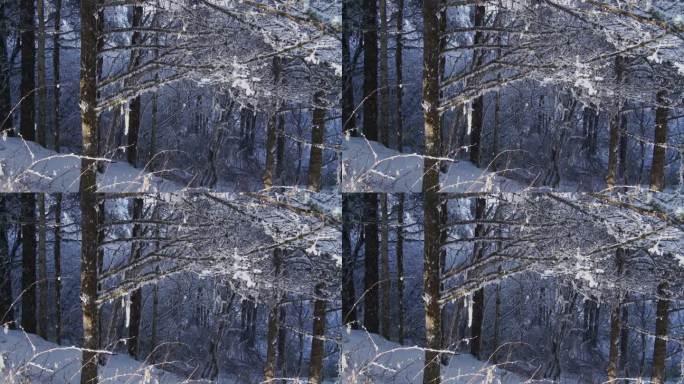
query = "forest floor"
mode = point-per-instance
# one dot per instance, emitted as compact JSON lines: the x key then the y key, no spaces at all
{"x":368,"y":356}
{"x":28,"y":357}
{"x":368,"y":166}
{"x":26,"y":166}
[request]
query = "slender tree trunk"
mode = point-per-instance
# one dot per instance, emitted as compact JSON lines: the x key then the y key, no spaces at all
{"x":28,"y":272}
{"x":658,"y":164}
{"x":87,"y":189}
{"x":348,"y":293}
{"x":272,"y":329}
{"x":6,"y":123}
{"x":431,"y":251}
{"x":135,"y":105}
{"x":385,"y":284}
{"x":660,"y":344}
{"x":370,"y":70}
{"x":624,"y":339}
{"x":41,"y":129}
{"x":615,"y":324}
{"x":271,"y":129}
{"x":280,"y":147}
{"x":475,"y":149}
{"x":317,"y":134}
{"x":136,"y":296}
{"x":384,"y":77}
{"x":400,"y":265}
{"x":282,"y":344}
{"x":348,"y":117}
{"x":42,"y":270}
{"x":317,"y":340}
{"x":56,"y":78}
{"x":479,"y":295}
{"x":28,"y":77}
{"x":371,"y":278}
{"x":399,"y":50}
{"x":57,"y":249}
{"x":6,"y":312}
{"x":611,"y":175}
{"x":497,"y":320}
{"x":155,"y":315}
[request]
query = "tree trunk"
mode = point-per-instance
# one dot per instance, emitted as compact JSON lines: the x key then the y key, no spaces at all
{"x":615,"y":325}
{"x":271,"y":129}
{"x":317,"y":340}
{"x":384,"y":77}
{"x":479,"y":295}
{"x":348,"y":293}
{"x":6,"y":124}
{"x":41,"y":129}
{"x":56,"y":79}
{"x":135,"y":106}
{"x":431,"y":283}
{"x":385,"y":284}
{"x":87,"y":189}
{"x":660,"y":344}
{"x":370,"y":70}
{"x":317,"y":134}
{"x":348,"y":116}
{"x":400,"y":265}
{"x":611,"y":175}
{"x":28,"y":77}
{"x":6,"y":312}
{"x":28,"y":272}
{"x":280,"y":147}
{"x":57,"y":249}
{"x":282,"y":344}
{"x":136,"y":295}
{"x":272,"y":333}
{"x":371,"y":279}
{"x":658,"y":165}
{"x":399,"y":67}
{"x":475,"y":149}
{"x":42,"y":270}
{"x":624,"y":340}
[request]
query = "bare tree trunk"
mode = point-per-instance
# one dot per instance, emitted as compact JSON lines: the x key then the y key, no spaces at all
{"x":28,"y":272}
{"x":660,"y":344}
{"x":399,"y":67}
{"x":56,"y":79}
{"x":271,"y":129}
{"x":317,"y":340}
{"x":272,"y":335}
{"x":370,"y":69}
{"x":136,"y":296}
{"x":611,"y":175}
{"x":371,"y":278}
{"x":615,"y":324}
{"x":431,"y":251}
{"x":87,"y":189}
{"x":6,"y":124}
{"x":475,"y":149}
{"x":282,"y":344}
{"x":624,"y":340}
{"x":41,"y":128}
{"x":6,"y":312}
{"x":658,"y":165}
{"x":280,"y":147}
{"x":42,"y":270}
{"x":348,"y":292}
{"x":57,"y":249}
{"x":135,"y":106}
{"x":317,"y":134}
{"x":348,"y":117}
{"x":28,"y":76}
{"x":384,"y":77}
{"x":400,"y":265}
{"x":385,"y":285}
{"x":479,"y":295}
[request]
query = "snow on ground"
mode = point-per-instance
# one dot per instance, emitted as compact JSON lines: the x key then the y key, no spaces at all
{"x":28,"y":357}
{"x":370,"y":357}
{"x":368,"y":166}
{"x":26,"y":166}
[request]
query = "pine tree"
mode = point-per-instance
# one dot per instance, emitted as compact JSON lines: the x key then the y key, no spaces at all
{"x":371,"y":278}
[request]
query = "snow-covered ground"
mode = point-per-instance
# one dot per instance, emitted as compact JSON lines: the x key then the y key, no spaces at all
{"x":27,"y":167}
{"x":368,"y":356}
{"x":368,"y":166}
{"x":27,"y":358}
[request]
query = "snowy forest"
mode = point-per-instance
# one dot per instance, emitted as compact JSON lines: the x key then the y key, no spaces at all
{"x":163,"y":95}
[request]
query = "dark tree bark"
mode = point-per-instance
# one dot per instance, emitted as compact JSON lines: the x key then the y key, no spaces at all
{"x":28,"y":257}
{"x":398,"y":57}
{"x":280,"y":148}
{"x":348,"y":293}
{"x":87,"y":189}
{"x":615,"y":324}
{"x":348,"y":116}
{"x":611,"y":175}
{"x":384,"y":77}
{"x":136,"y":296}
{"x":28,"y":76}
{"x":6,"y":124}
{"x":479,"y":295}
{"x":658,"y":165}
{"x":272,"y":328}
{"x":370,"y":301}
{"x":385,"y":284}
{"x":660,"y":343}
{"x":42,"y":270}
{"x":135,"y":106}
{"x":370,"y":69}
{"x":41,"y":126}
{"x":56,"y":79}
{"x":57,"y":249}
{"x":317,"y":340}
{"x":6,"y":312}
{"x":317,"y":134}
{"x":282,"y":344}
{"x":475,"y":149}
{"x":400,"y":265}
